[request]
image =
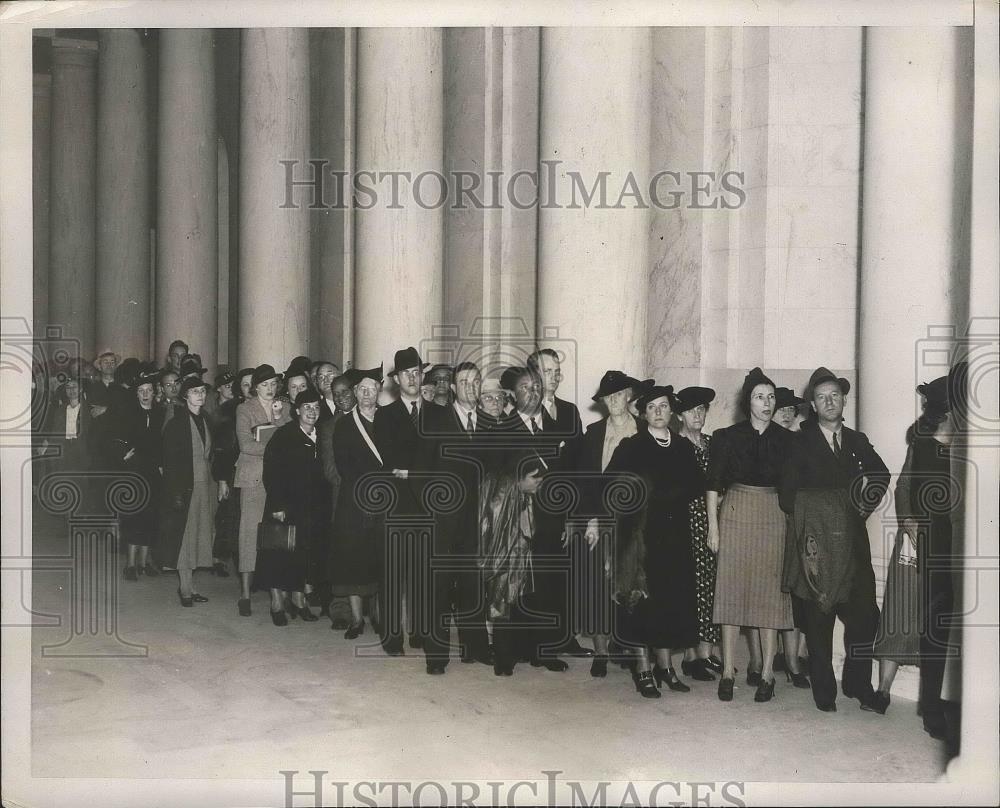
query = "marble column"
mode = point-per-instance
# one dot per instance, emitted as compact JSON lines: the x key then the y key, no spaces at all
{"x":399,"y":242}
{"x":915,"y":199}
{"x":595,"y":117}
{"x":41,"y":154}
{"x":274,"y":229}
{"x":187,"y":186}
{"x":491,"y":147}
{"x":123,"y":209}
{"x":72,"y":191}
{"x":333,"y":78}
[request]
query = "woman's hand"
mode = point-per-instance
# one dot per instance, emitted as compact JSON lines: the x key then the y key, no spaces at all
{"x":592,"y":535}
{"x":278,"y":516}
{"x":223,"y":490}
{"x":713,"y":537}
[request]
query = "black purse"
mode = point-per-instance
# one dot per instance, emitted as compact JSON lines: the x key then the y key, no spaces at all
{"x":272,"y":535}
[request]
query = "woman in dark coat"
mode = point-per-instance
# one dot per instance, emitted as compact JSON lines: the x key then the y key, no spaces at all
{"x":136,"y":447}
{"x":357,"y":533}
{"x":654,"y":567}
{"x":594,"y":453}
{"x":189,"y":492}
{"x":297,"y":494}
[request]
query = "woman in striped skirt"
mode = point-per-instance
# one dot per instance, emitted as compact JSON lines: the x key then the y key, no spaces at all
{"x":747,"y":531}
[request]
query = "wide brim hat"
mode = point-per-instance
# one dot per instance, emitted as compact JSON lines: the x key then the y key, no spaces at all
{"x":228,"y":377}
{"x":691,"y":397}
{"x":244,"y":372}
{"x":785,"y":397}
{"x":191,"y":383}
{"x":299,"y":366}
{"x":406,"y":358}
{"x":148,"y":373}
{"x":263,"y":373}
{"x":614,"y":381}
{"x":652,"y":393}
{"x":355,"y":375}
{"x":821,"y":375}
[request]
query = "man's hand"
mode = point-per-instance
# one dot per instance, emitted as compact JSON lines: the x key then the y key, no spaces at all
{"x":278,"y":516}
{"x":97,"y":410}
{"x":223,"y":490}
{"x":593,"y":535}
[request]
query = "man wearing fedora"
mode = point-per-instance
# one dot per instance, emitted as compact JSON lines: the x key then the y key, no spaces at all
{"x":398,"y":430}
{"x":830,"y":484}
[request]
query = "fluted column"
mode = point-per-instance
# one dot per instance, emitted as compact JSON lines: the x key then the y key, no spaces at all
{"x":123,"y":176}
{"x":187,"y":184}
{"x":595,"y":108}
{"x":274,"y":240}
{"x":41,"y":154}
{"x":399,"y":250}
{"x":72,"y":190}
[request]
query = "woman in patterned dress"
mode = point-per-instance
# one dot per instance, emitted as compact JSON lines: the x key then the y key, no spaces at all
{"x":700,"y":661}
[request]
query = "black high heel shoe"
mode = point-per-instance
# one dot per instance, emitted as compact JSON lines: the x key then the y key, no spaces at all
{"x":645,"y":685}
{"x":726,"y":689}
{"x":800,"y":680}
{"x":698,"y":670}
{"x":186,"y":601}
{"x":669,"y":675}
{"x":279,"y":618}
{"x":599,"y":667}
{"x":354,"y":630}
{"x":713,"y":663}
{"x":753,"y":677}
{"x":307,"y":614}
{"x":765,"y":691}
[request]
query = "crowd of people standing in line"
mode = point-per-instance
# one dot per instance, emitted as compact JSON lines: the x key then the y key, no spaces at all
{"x":450,"y":493}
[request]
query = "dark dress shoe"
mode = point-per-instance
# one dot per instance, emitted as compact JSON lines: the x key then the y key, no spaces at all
{"x":198,"y":598}
{"x":130,"y":574}
{"x":393,"y":649}
{"x":935,"y":725}
{"x":713,"y":663}
{"x":549,"y":664}
{"x":186,"y":600}
{"x":753,"y":677}
{"x":827,"y":708}
{"x":149,"y":571}
{"x":726,"y":689}
{"x":800,"y":680}
{"x":574,"y":649}
{"x":879,"y":703}
{"x":307,"y":615}
{"x":243,"y":604}
{"x":669,"y":676}
{"x":502,"y":669}
{"x":279,"y":618}
{"x":219,"y":569}
{"x":863,"y":695}
{"x":599,"y":667}
{"x":354,"y":630}
{"x":765,"y":691}
{"x":645,"y":685}
{"x":435,"y":668}
{"x":698,"y":670}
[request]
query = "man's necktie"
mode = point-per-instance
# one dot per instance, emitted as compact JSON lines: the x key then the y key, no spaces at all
{"x":836,"y":445}
{"x":469,"y":426}
{"x":534,"y":427}
{"x":413,"y":412}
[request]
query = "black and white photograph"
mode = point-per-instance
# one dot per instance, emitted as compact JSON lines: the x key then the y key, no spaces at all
{"x":500,"y":404}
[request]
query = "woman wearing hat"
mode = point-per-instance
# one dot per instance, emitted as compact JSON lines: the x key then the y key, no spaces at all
{"x":225,"y":451}
{"x":747,"y":531}
{"x":786,"y":408}
{"x":596,"y":449}
{"x":692,"y":408}
{"x":912,"y":630}
{"x":298,"y":495}
{"x":654,"y":566}
{"x":357,"y":533}
{"x":256,"y":421}
{"x":136,"y":447}
{"x":189,"y":492}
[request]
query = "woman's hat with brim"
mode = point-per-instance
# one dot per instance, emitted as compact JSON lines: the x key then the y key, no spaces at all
{"x":654,"y":392}
{"x":299,"y":366}
{"x":191,"y":366}
{"x":244,"y":372}
{"x":191,"y":383}
{"x":691,"y":397}
{"x":406,"y":358}
{"x":356,"y":375}
{"x":936,"y":394}
{"x":148,"y":373}
{"x":821,"y":375}
{"x":307,"y":396}
{"x":614,"y":381}
{"x":263,"y":373}
{"x":785,"y":397}
{"x":227,"y":377}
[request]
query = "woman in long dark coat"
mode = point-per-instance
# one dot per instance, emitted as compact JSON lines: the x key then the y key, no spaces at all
{"x":189,"y":492}
{"x":357,"y":533}
{"x":297,"y":494}
{"x":136,"y":447}
{"x":654,"y":566}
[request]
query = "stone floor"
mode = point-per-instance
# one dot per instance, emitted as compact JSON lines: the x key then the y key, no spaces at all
{"x":219,"y":696}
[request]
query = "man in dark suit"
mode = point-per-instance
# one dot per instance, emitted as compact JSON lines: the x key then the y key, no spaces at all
{"x":567,"y":425}
{"x":831,"y":482}
{"x":452,"y":447}
{"x":398,"y":427}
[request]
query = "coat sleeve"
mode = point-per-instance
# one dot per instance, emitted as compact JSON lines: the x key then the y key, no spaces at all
{"x":324,"y":445}
{"x":790,"y":474}
{"x":277,"y":474}
{"x":904,"y":488}
{"x":718,"y":462}
{"x":175,"y":457}
{"x":877,"y":477}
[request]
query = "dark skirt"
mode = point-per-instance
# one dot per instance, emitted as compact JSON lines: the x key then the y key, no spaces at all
{"x":649,"y":623}
{"x":898,"y":637}
{"x":671,"y":610}
{"x":140,"y":528}
{"x":354,"y":556}
{"x":281,"y":569}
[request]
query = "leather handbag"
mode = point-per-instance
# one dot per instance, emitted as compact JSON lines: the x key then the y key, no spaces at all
{"x":272,"y":535}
